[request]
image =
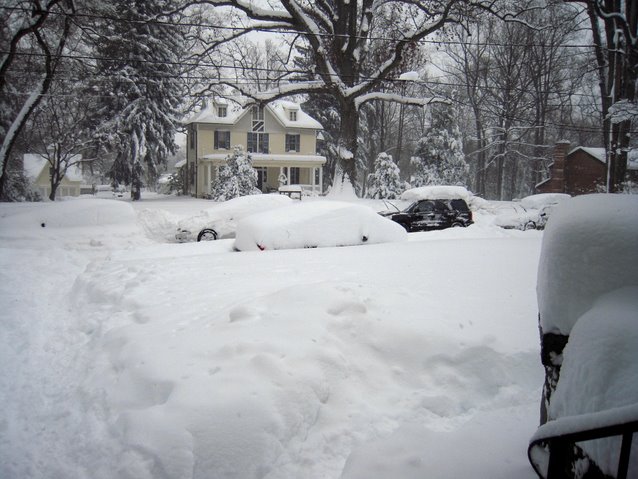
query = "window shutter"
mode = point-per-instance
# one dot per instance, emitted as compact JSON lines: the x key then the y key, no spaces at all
{"x":216,"y":135}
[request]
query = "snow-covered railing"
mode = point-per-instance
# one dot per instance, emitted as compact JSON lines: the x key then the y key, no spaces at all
{"x":549,"y":449}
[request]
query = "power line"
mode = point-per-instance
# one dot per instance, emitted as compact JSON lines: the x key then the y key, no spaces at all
{"x":317,"y":34}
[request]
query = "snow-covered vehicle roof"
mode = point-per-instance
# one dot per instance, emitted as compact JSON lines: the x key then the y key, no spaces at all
{"x":590,"y":248}
{"x":437,"y":192}
{"x":316,"y":224}
{"x":543,"y":199}
{"x":223,"y":217}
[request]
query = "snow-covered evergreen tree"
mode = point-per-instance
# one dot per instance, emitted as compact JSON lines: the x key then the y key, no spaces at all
{"x":385,"y":182}
{"x":439,"y":157}
{"x":139,"y":56}
{"x":236,"y":178}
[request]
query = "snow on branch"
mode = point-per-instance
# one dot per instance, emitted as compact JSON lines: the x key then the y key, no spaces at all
{"x":396,"y":98}
{"x":623,"y":110}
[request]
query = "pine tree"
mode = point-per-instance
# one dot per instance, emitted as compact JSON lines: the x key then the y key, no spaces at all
{"x":385,"y":182}
{"x":139,"y":57}
{"x":236,"y":178}
{"x":439,"y":155}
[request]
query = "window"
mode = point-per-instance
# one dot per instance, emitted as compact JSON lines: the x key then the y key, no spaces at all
{"x":258,"y":142}
{"x":222,"y":111}
{"x":222,"y":140}
{"x":294,"y":175}
{"x":292,"y":142}
{"x":293,"y":116}
{"x":258,"y":118}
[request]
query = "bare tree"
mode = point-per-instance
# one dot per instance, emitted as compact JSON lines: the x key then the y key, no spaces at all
{"x":45,"y":28}
{"x":61,"y":131}
{"x":614,"y":27}
{"x":339,"y":35}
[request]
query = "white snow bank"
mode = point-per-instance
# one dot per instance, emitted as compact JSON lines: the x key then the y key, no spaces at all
{"x":437,"y":192}
{"x":589,"y":248}
{"x":599,"y":370}
{"x":316,"y":224}
{"x":417,"y":452}
{"x":81,"y":212}
{"x":154,"y":360}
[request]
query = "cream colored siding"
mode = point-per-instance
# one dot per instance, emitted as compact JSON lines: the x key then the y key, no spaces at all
{"x":276,"y":162}
{"x":308,"y":143}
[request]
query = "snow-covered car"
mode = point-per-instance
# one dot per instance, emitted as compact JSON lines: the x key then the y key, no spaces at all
{"x":588,"y":311}
{"x":530,"y":213}
{"x":316,"y":224}
{"x":432,"y":208}
{"x":220,"y":221}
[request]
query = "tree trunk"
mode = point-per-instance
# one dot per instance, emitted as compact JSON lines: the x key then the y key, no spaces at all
{"x":347,"y":142}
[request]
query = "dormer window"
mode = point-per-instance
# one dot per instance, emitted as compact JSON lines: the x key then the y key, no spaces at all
{"x":293,"y":116}
{"x":222,"y":111}
{"x":258,"y":118}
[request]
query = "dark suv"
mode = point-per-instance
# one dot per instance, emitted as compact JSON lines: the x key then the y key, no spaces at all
{"x":426,"y":215}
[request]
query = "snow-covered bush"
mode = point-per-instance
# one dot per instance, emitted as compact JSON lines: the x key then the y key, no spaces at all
{"x":385,"y":182}
{"x":236,"y":178}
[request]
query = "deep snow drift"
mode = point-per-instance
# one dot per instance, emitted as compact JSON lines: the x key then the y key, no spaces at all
{"x":126,"y":356}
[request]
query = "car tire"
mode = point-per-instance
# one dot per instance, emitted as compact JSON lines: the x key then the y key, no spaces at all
{"x":530,"y":225}
{"x":457,"y":224}
{"x":207,"y":234}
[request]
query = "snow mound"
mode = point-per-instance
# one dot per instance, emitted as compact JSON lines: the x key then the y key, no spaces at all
{"x":316,"y":224}
{"x":159,"y":225}
{"x":437,"y":192}
{"x":589,"y":249}
{"x":82,"y":212}
{"x":599,"y":368}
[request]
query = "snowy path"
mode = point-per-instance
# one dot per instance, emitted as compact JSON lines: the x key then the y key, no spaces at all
{"x":44,"y":351}
{"x":132,"y":359}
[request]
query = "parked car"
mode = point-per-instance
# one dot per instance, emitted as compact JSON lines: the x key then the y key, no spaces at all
{"x":220,"y":221}
{"x":314,"y":225}
{"x":532,"y":212}
{"x":424,"y":215}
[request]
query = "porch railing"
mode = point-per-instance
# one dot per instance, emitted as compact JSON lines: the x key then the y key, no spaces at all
{"x":549,"y":450}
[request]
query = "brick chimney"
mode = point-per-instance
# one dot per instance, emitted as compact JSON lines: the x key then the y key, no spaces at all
{"x":557,"y":180}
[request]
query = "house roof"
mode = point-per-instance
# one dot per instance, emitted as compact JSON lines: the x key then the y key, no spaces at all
{"x":597,"y":153}
{"x":34,"y":163}
{"x":600,"y":154}
{"x":279,"y":109}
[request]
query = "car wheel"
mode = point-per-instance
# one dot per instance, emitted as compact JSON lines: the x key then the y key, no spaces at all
{"x":457,"y":224}
{"x":207,"y":234}
{"x":530,"y":225}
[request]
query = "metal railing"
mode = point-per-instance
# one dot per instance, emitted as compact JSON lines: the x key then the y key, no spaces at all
{"x":554,"y":445}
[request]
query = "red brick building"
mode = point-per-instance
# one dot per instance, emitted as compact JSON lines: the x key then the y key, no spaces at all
{"x":578,"y":171}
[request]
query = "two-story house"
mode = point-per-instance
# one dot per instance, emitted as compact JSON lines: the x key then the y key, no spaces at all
{"x":280,"y":137}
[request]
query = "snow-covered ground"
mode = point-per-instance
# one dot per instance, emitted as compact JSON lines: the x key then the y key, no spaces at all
{"x":127,"y":356}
